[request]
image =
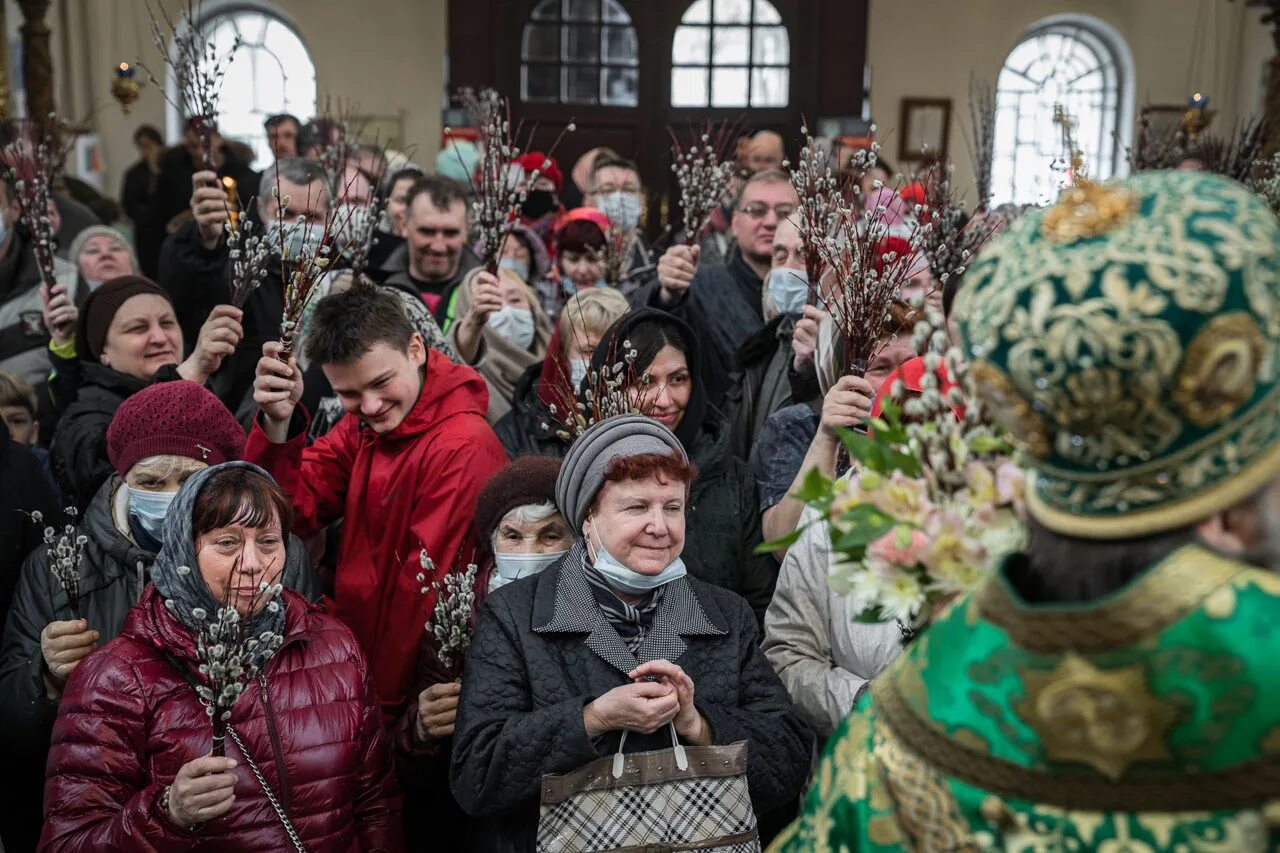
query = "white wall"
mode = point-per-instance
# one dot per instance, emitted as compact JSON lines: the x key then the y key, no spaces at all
{"x":384,"y":56}
{"x":927,"y":48}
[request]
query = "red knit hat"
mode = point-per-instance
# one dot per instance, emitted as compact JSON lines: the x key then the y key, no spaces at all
{"x":551,"y":169}
{"x":178,"y":418}
{"x":526,"y":480}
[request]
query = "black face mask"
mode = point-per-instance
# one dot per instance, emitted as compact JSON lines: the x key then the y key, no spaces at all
{"x":538,"y":203}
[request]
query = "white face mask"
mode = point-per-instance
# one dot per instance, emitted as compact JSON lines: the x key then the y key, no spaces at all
{"x":622,"y":208}
{"x":628,"y":580}
{"x":514,"y":324}
{"x":512,"y":567}
{"x":578,"y":368}
{"x":300,"y":238}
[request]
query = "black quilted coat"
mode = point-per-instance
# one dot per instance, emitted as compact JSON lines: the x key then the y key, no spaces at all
{"x":530,"y":672}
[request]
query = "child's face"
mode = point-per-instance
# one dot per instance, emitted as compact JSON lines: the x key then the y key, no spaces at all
{"x":382,"y":386}
{"x":23,"y":428}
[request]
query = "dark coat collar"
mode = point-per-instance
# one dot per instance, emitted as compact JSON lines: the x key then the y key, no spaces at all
{"x":563,"y":604}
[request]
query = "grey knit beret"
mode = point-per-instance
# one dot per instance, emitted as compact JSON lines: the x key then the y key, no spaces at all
{"x":582,"y":472}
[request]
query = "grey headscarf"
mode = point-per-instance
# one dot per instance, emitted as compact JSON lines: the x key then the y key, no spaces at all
{"x":176,"y":573}
{"x":582,"y":472}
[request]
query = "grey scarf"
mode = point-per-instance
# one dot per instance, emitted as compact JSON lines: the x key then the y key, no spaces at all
{"x":176,"y":573}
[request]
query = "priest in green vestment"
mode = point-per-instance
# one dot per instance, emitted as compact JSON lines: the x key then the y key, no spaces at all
{"x":1117,"y":686}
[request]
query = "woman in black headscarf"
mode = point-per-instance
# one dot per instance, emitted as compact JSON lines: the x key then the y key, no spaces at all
{"x":663,"y":380}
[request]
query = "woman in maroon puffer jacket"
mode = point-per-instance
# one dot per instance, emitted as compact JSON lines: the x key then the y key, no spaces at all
{"x":130,"y":766}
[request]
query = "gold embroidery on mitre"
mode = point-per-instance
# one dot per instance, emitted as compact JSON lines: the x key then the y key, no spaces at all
{"x":1107,"y":719}
{"x":1220,"y":369}
{"x":1087,"y":210}
{"x":1009,"y":408}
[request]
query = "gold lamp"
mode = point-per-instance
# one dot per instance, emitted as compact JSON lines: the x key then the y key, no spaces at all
{"x":125,"y":88}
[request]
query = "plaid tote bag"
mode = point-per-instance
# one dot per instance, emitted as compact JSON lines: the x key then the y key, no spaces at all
{"x":678,"y":799}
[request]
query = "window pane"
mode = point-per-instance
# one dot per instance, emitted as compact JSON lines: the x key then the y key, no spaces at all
{"x":770,"y":87}
{"x":691,"y":45}
{"x":581,"y":44}
{"x":688,"y":87}
{"x":542,"y":41}
{"x":251,"y":26}
{"x":582,"y":85}
{"x":614,"y":12}
{"x":766,"y":14}
{"x":698,"y":13}
{"x":770,"y":46}
{"x":582,"y":10}
{"x":733,"y":11}
{"x":541,"y":83}
{"x":620,"y":46}
{"x":728,"y":87}
{"x":546,"y":10}
{"x":730,"y":45}
{"x":620,"y":87}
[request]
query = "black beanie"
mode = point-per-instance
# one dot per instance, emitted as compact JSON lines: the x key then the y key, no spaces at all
{"x":101,"y":307}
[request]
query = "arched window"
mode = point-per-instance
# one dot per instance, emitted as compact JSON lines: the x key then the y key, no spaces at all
{"x":1080,"y":63}
{"x":731,"y":53}
{"x":271,"y":73}
{"x":580,"y":52}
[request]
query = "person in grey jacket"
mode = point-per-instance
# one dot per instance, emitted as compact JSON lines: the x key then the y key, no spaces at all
{"x":615,"y":638}
{"x":159,"y":437}
{"x":824,"y":656}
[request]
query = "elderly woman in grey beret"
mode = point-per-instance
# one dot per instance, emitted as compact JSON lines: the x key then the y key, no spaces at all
{"x":615,"y":637}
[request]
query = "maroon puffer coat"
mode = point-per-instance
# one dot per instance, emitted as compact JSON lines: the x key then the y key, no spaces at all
{"x":128,"y":721}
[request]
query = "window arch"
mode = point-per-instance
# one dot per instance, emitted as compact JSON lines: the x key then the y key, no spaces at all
{"x":1081,"y":63}
{"x":580,"y":52}
{"x":271,"y":73}
{"x":731,"y":53}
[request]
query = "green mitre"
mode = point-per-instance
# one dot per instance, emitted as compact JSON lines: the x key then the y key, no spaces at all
{"x":1127,"y":338}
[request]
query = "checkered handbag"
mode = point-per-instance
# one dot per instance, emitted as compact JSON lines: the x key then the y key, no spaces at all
{"x":678,"y":799}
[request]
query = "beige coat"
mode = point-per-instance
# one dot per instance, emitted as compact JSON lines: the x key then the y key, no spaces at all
{"x":499,"y":361}
{"x":812,"y":639}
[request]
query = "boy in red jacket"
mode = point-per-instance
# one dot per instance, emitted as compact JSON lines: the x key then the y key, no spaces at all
{"x":403,"y":467}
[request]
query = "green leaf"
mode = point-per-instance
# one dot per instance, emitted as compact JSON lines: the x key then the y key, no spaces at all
{"x":866,"y":524}
{"x":815,"y":488}
{"x":781,"y":543}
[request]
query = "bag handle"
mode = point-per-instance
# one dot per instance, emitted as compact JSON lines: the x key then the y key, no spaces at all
{"x":682,"y":757}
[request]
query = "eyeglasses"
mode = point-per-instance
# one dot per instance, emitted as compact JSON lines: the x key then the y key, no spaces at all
{"x":758,"y":209}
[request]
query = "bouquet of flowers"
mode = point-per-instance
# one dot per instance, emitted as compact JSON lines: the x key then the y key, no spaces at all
{"x":934,"y":497}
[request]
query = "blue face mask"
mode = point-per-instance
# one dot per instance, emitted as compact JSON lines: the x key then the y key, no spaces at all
{"x":630,"y":581}
{"x":517,"y":266}
{"x":512,"y":567}
{"x":789,"y":290}
{"x":150,"y":509}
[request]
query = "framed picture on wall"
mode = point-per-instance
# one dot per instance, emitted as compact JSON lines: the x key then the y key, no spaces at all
{"x":925,"y":128}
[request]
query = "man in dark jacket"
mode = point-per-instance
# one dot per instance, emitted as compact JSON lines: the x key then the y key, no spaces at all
{"x":174,"y":183}
{"x":137,"y":197}
{"x":723,"y":304}
{"x":195,"y":267}
{"x":22,"y":492}
{"x":435,"y":258}
{"x":46,"y":636}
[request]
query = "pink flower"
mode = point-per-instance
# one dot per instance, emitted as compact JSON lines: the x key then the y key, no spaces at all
{"x":902,"y":546}
{"x":1011,"y":483}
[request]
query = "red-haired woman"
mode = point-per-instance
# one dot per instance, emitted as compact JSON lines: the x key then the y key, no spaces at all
{"x":307,"y":764}
{"x":615,"y":637}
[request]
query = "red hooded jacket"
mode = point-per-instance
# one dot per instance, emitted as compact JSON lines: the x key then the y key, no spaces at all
{"x":414,"y":487}
{"x":129,"y":720}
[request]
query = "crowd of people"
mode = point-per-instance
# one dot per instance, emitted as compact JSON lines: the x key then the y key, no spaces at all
{"x":599,"y":437}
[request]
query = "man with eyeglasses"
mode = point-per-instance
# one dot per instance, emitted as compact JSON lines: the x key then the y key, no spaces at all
{"x":616,"y":191}
{"x":723,"y":303}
